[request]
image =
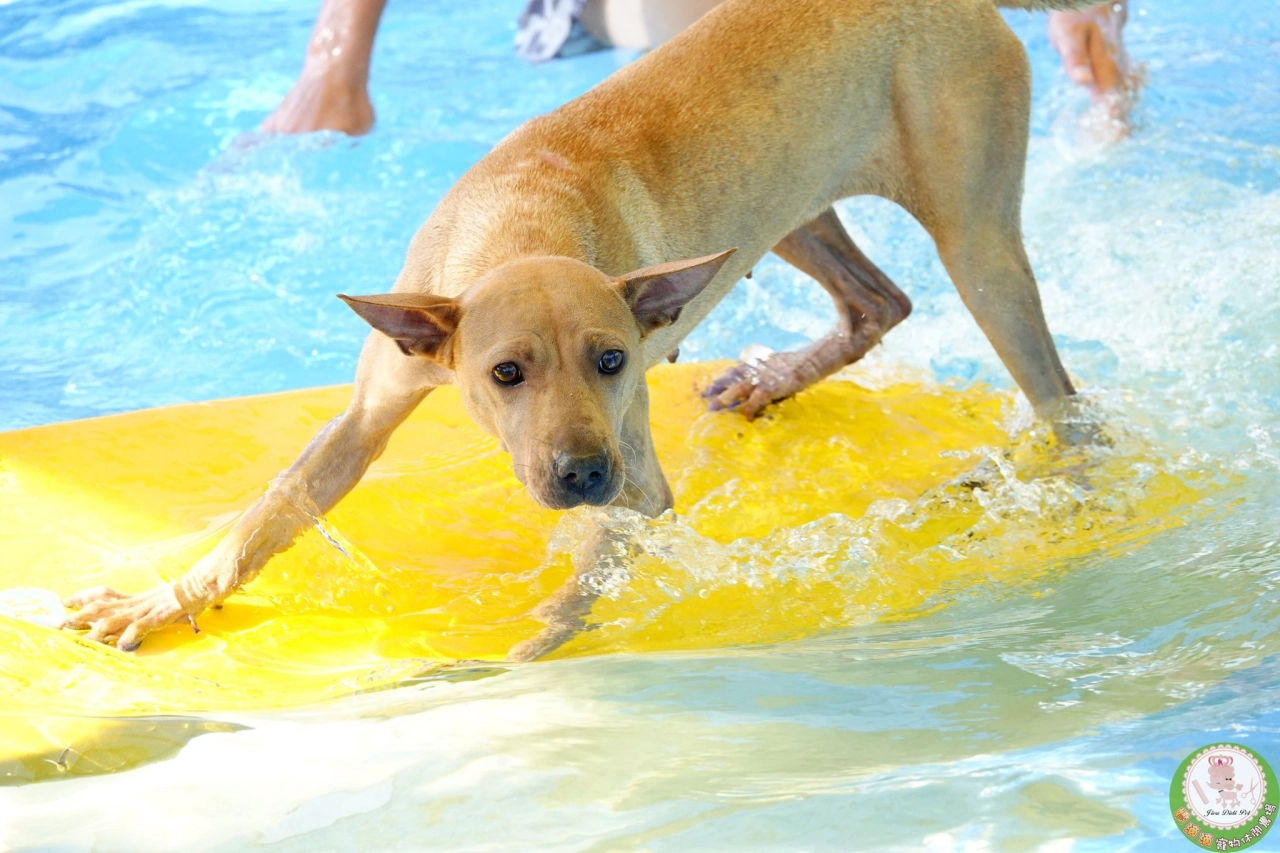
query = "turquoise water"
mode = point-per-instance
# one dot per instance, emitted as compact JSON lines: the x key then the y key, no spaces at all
{"x":150,"y":256}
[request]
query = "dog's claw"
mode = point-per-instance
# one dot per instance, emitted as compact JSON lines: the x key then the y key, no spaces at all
{"x":752,"y":386}
{"x":732,"y":377}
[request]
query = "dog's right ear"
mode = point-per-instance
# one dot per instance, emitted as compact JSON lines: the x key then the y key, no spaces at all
{"x":419,"y":323}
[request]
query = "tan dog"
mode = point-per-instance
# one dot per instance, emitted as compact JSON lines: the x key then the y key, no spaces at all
{"x":741,"y":132}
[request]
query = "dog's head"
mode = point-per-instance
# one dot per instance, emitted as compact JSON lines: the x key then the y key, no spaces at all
{"x":548,"y":353}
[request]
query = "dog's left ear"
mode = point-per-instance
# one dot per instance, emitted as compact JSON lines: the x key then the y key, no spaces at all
{"x":419,"y":323}
{"x":659,"y":293}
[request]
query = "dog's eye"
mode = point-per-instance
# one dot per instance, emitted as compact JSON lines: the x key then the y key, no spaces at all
{"x":508,"y":373}
{"x":611,"y":361}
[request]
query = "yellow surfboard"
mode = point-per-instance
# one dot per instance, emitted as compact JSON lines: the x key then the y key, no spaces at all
{"x":839,"y":508}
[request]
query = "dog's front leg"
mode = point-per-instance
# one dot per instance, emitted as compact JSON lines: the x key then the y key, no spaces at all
{"x":867,"y":303}
{"x":388,"y":387}
{"x":605,"y":549}
{"x":566,"y":609}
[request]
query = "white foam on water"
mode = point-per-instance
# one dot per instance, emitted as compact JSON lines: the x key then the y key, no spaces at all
{"x":33,"y":604}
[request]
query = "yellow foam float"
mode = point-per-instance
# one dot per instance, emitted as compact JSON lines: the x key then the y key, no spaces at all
{"x":832,"y":511}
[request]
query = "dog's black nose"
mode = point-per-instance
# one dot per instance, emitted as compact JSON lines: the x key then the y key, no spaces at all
{"x":585,"y":477}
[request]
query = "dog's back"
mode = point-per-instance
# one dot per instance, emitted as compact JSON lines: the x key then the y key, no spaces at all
{"x":765,"y":111}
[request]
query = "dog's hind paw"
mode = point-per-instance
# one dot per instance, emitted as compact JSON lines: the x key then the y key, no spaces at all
{"x":761,"y":378}
{"x":1079,"y":422}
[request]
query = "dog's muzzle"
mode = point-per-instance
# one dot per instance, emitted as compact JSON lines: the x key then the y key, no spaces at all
{"x":582,"y":479}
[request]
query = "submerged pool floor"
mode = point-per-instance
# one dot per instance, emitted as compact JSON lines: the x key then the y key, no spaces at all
{"x":149,"y":256}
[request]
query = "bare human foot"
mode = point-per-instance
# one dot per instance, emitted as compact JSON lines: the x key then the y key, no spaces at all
{"x":332,"y":92}
{"x":1091,"y":44}
{"x":321,"y":102}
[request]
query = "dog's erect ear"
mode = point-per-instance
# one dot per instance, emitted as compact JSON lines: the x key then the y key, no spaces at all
{"x":420,"y":323}
{"x":657,"y":294}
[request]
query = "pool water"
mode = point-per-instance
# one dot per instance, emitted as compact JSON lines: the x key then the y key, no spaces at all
{"x":155,"y":251}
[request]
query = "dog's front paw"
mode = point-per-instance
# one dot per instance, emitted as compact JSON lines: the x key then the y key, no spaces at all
{"x":755,"y":382}
{"x":544,"y":643}
{"x":113,"y":617}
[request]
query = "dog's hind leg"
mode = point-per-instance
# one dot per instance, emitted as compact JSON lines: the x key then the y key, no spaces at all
{"x":967,"y":177}
{"x":992,"y":274}
{"x":867,"y":302}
